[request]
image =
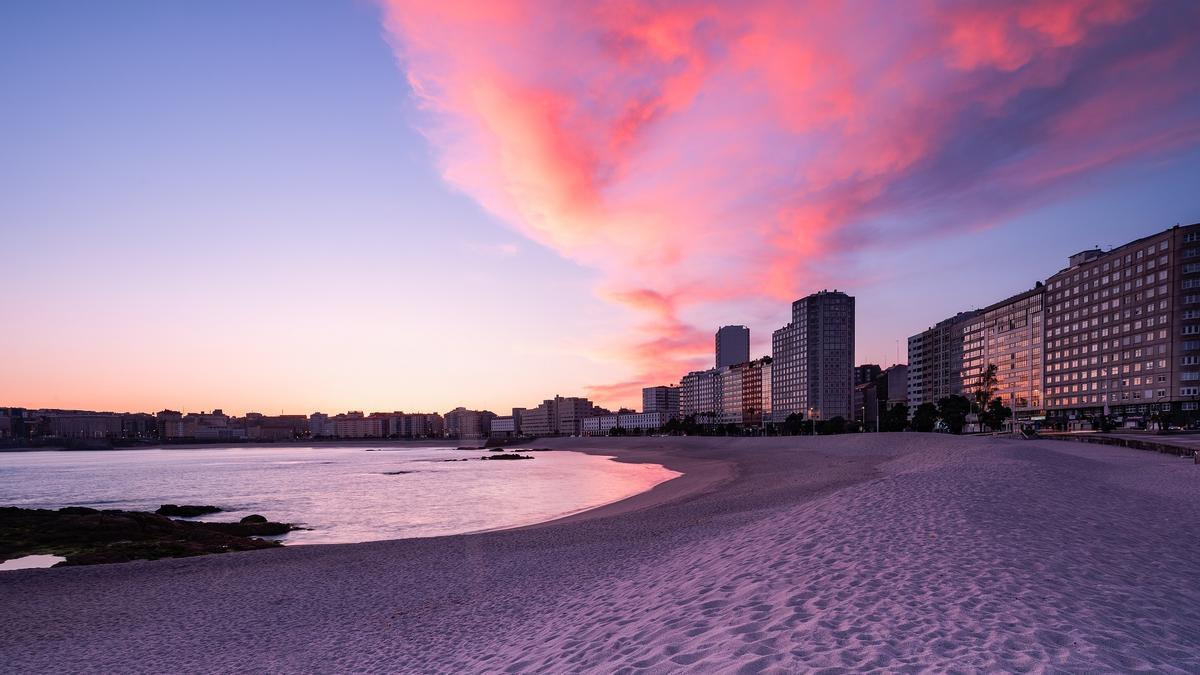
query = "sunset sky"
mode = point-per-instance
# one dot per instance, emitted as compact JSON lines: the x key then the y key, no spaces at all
{"x":306,"y":206}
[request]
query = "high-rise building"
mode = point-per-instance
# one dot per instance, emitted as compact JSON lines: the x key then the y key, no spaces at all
{"x":1123,"y":331}
{"x":935,"y":361}
{"x":732,"y":345}
{"x":813,"y":359}
{"x":664,"y":399}
{"x":1008,"y":335}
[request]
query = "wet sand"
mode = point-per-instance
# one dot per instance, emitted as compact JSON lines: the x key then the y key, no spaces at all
{"x":894,"y":552}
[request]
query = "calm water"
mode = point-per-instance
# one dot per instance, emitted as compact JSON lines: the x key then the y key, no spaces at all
{"x":345,"y":494}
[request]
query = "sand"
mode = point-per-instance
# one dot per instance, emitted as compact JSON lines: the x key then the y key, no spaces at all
{"x":893,"y":552}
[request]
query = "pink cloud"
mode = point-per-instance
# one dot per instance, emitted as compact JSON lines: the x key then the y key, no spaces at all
{"x":701,"y":152}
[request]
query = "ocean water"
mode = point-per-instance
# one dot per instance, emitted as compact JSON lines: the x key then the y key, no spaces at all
{"x":344,"y":494}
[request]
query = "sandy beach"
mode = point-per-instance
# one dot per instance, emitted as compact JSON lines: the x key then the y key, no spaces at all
{"x":891,"y":552}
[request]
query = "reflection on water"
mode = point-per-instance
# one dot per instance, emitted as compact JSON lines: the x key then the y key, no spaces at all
{"x":345,"y":494}
{"x":30,"y":562}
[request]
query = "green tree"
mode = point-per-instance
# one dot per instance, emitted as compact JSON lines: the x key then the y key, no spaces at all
{"x":837,"y":425}
{"x":925,"y":417}
{"x":953,"y":411}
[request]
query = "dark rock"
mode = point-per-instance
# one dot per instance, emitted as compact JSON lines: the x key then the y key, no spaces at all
{"x":506,"y":456}
{"x":87,"y":536}
{"x":394,"y":473}
{"x":186,"y":511}
{"x":253,"y":519}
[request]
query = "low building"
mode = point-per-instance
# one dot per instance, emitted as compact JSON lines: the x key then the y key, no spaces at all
{"x":602,"y":425}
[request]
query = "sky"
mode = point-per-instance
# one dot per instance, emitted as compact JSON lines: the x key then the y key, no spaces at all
{"x":412,"y":205}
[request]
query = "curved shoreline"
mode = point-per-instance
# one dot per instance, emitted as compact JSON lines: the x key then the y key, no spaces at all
{"x":882,"y":551}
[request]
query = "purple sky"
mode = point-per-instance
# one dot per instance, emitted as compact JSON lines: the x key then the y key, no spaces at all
{"x":249,"y":206}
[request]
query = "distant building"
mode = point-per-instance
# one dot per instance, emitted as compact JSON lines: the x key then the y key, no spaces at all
{"x":732,"y":346}
{"x":463,"y":423}
{"x":354,"y":424}
{"x":83,"y":425}
{"x":601,"y":425}
{"x":559,"y":416}
{"x":813,"y":369}
{"x":664,"y":399}
{"x":866,"y":373}
{"x":881,"y":394}
{"x":739,"y":394}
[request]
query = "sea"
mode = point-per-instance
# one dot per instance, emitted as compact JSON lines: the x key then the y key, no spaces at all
{"x":340,"y":494}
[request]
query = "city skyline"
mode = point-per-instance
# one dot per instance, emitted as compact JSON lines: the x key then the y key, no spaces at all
{"x":273,"y":227}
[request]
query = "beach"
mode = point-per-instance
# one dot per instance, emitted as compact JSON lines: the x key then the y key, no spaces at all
{"x":888,"y":552}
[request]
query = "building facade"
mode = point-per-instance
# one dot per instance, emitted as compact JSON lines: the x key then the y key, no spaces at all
{"x":935,"y":361}
{"x":463,"y":423}
{"x":732,"y":346}
{"x":1123,"y":331}
{"x":813,"y":359}
{"x":1009,"y":335}
{"x":559,"y":416}
{"x":664,"y":399}
{"x":601,"y":425}
{"x":739,"y":394}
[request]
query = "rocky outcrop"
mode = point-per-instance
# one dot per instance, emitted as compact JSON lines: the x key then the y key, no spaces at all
{"x":88,"y":536}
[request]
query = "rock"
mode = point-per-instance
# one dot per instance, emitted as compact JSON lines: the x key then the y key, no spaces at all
{"x":253,"y":519}
{"x":506,"y":456}
{"x":87,"y":536}
{"x":186,"y":511}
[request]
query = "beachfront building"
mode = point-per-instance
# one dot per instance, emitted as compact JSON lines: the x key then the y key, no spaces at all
{"x":935,"y":361}
{"x":1009,"y":335}
{"x":558,"y":416}
{"x":419,"y":425}
{"x":738,"y":394}
{"x":354,"y":424}
{"x":602,"y":425}
{"x":1123,"y":331}
{"x":664,"y":399}
{"x":463,"y":423}
{"x":732,"y":345}
{"x":813,"y":359}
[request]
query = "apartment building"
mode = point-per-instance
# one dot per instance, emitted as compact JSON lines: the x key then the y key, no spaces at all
{"x":1009,"y":335}
{"x":813,"y":359}
{"x":935,"y":361}
{"x":1123,"y":330}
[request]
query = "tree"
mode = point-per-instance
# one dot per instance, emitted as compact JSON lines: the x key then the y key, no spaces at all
{"x":995,"y":414}
{"x":925,"y":417}
{"x":616,"y":431}
{"x":895,"y":418}
{"x":953,"y":411}
{"x":837,"y":425}
{"x":673,"y":427}
{"x":793,"y":424}
{"x":986,"y":389}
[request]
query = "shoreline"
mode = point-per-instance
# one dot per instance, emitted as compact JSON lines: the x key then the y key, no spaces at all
{"x":895,"y":552}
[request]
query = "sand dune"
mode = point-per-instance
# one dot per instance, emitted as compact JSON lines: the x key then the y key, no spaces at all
{"x":899,"y":552}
